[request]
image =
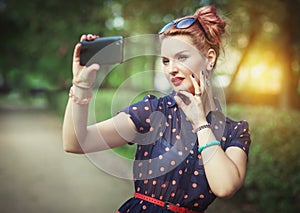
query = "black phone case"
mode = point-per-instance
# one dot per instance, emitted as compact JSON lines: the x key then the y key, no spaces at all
{"x":105,"y":50}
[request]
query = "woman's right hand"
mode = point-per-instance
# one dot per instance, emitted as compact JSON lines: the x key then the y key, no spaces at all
{"x":83,"y":77}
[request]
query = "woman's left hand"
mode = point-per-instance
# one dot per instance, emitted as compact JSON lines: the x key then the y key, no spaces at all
{"x":193,"y":108}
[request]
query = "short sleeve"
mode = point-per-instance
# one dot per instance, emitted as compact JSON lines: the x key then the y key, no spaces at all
{"x":240,"y":136}
{"x":140,"y":112}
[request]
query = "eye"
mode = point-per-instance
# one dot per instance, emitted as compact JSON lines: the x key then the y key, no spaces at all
{"x":182,"y":57}
{"x":165,"y":61}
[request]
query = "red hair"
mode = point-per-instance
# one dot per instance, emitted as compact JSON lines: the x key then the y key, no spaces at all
{"x":213,"y":25}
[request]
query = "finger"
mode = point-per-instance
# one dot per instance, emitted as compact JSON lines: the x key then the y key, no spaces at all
{"x":76,"y":54}
{"x":89,"y":37}
{"x":179,"y":101}
{"x":185,"y":93}
{"x":202,"y":83}
{"x":196,"y":85}
{"x":93,"y":67}
{"x":83,"y":37}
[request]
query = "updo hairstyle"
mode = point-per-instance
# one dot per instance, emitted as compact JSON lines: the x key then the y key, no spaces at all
{"x":211,"y":22}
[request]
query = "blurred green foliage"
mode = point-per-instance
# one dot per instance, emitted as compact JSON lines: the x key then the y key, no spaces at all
{"x":273,"y":176}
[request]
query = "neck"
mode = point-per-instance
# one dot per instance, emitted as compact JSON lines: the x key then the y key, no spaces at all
{"x":208,"y":101}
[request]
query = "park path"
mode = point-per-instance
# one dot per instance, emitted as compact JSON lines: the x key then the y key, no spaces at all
{"x":36,"y":175}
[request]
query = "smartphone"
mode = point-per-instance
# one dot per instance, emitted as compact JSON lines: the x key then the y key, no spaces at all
{"x":104,"y":50}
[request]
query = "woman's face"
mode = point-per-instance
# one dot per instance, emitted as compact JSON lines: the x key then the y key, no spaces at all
{"x":181,"y":60}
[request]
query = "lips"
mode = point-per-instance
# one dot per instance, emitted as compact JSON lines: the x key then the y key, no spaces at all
{"x":177,"y":81}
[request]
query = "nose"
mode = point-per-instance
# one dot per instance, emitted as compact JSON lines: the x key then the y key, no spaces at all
{"x":173,"y":68}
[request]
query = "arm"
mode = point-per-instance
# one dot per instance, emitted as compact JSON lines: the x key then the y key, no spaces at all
{"x":78,"y":137}
{"x":225,"y":171}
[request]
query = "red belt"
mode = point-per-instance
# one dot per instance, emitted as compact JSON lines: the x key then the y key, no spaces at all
{"x":165,"y":205}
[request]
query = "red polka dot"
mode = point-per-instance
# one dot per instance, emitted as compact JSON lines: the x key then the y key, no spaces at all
{"x":194,"y":185}
{"x":196,"y":173}
{"x":134,"y":108}
{"x":150,"y":172}
{"x":146,"y":154}
{"x":185,"y":196}
{"x":154,"y":182}
{"x":144,"y":207}
{"x":148,"y":120}
{"x":178,"y":137}
{"x":201,"y":196}
{"x":146,"y":108}
{"x":196,"y":204}
{"x":173,"y":182}
{"x":162,"y":169}
{"x":173,"y":163}
{"x":163,"y":185}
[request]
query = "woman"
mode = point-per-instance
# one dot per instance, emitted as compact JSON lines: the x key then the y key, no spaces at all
{"x":188,"y":152}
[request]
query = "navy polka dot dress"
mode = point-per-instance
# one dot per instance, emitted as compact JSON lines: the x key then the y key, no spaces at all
{"x":167,"y":164}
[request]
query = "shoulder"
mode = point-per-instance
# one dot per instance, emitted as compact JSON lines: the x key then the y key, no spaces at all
{"x":237,"y":134}
{"x":141,"y":112}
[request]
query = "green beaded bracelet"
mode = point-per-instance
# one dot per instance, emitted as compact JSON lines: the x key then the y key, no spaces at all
{"x":213,"y":143}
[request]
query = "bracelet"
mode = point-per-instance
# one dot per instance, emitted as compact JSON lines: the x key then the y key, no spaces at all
{"x":201,"y":127}
{"x":78,"y":100}
{"x":79,"y":86}
{"x":213,"y":143}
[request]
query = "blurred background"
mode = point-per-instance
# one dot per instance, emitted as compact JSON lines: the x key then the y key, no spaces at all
{"x":259,"y":73}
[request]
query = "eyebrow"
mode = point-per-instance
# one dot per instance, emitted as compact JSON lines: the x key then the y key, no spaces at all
{"x":176,"y":54}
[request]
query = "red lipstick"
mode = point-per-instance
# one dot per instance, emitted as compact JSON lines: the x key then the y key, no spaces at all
{"x":177,"y":81}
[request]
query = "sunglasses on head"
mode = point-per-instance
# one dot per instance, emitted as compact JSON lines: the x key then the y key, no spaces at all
{"x":183,"y":24}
